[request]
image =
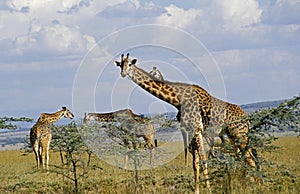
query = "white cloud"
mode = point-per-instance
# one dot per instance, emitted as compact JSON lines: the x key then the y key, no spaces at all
{"x":45,"y":38}
{"x":132,"y":9}
{"x":18,"y":5}
{"x":57,"y":5}
{"x":237,"y":14}
{"x":53,"y":39}
{"x":178,"y":17}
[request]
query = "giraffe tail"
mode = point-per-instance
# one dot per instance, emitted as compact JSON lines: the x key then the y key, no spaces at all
{"x":155,"y":143}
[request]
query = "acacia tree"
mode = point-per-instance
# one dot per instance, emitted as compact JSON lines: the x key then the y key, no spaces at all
{"x":7,"y":122}
{"x":75,"y":156}
{"x":227,"y":164}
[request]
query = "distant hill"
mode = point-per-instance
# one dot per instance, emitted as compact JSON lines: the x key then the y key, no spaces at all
{"x":261,"y":105}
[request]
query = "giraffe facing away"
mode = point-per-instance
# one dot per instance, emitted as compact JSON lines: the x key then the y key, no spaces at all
{"x":40,"y":135}
{"x":197,"y":112}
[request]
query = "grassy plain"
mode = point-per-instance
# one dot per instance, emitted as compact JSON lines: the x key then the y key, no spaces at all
{"x":18,"y":175}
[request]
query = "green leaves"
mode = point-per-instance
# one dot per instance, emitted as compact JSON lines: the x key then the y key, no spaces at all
{"x":284,"y":117}
{"x":6,"y":122}
{"x":75,"y":156}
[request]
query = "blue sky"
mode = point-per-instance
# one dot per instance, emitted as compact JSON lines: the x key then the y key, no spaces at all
{"x":48,"y":48}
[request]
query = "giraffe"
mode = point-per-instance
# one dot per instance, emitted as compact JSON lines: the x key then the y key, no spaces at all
{"x":197,"y":110}
{"x":210,"y":140}
{"x":156,"y":73}
{"x":126,"y":117}
{"x":40,"y":135}
{"x":134,"y":125}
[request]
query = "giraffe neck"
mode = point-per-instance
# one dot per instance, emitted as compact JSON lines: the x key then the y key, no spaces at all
{"x":166,"y":91}
{"x":50,"y":118}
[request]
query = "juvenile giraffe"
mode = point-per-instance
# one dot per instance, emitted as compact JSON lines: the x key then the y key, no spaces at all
{"x":197,"y":111}
{"x":40,"y":135}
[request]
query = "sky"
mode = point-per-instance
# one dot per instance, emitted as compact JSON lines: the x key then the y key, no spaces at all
{"x":56,"y":53}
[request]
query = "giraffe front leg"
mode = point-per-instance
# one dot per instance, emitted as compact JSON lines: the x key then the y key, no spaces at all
{"x":47,"y":152}
{"x":185,"y":137}
{"x":47,"y":159}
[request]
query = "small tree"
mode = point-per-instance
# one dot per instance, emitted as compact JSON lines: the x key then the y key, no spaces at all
{"x":7,"y":122}
{"x":75,"y":156}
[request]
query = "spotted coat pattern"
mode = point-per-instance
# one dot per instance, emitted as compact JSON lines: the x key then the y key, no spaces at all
{"x":199,"y":114}
{"x":134,"y":124}
{"x":40,"y":135}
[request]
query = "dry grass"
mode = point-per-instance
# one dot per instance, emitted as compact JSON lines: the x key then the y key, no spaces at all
{"x":18,"y":175}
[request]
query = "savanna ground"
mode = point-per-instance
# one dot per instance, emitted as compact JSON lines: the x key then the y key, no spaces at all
{"x":18,"y":175}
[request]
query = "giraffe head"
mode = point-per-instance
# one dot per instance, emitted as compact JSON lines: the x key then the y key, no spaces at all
{"x":66,"y":113}
{"x":125,"y":64}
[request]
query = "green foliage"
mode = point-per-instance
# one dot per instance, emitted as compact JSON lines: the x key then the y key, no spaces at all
{"x":75,"y":156}
{"x":229,"y":165}
{"x":6,"y":122}
{"x":228,"y":171}
{"x":284,"y":117}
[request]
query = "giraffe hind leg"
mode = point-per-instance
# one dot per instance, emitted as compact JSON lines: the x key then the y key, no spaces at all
{"x":37,"y":154}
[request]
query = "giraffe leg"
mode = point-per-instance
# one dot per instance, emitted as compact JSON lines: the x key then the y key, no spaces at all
{"x":40,"y":155}
{"x":211,"y":144}
{"x":43,"y":153}
{"x":125,"y":161}
{"x":185,"y":136}
{"x":196,"y":168}
{"x":151,"y":156}
{"x":249,"y":153}
{"x":36,"y":153}
{"x":47,"y":152}
{"x":198,"y":152}
{"x":201,"y":151}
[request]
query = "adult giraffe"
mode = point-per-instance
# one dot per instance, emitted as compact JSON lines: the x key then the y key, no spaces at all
{"x":133,"y":126}
{"x":197,"y":109}
{"x":40,"y":135}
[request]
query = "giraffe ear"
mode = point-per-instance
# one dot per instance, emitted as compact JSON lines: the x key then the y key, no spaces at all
{"x":117,"y":63}
{"x":133,"y":61}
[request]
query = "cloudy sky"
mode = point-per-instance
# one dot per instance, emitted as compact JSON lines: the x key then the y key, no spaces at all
{"x":61,"y":52}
